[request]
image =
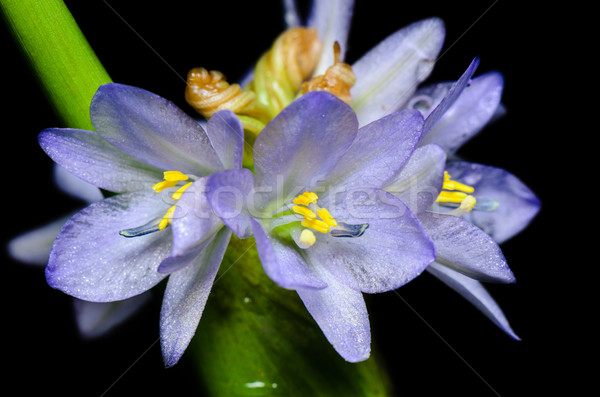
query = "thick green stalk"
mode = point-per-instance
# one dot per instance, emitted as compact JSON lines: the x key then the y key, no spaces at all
{"x":60,"y":56}
{"x":257,"y":339}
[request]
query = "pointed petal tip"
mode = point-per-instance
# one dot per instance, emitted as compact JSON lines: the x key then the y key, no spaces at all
{"x":357,"y":357}
{"x":434,"y":24}
{"x":170,"y":358}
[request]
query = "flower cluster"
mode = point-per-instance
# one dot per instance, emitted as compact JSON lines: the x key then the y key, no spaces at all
{"x":345,"y":176}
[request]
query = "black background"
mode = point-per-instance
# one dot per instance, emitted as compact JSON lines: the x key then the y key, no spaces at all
{"x":433,"y":341}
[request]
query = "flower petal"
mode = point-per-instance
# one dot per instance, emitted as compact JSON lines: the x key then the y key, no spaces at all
{"x":96,"y":318}
{"x":379,"y":151}
{"x":517,"y":204}
{"x":419,"y":182}
{"x":472,"y":110}
{"x":301,"y":145}
{"x":466,"y":248}
{"x":454,"y":91}
{"x":290,"y":14}
{"x":474,"y":292}
{"x":342,"y":315}
{"x":226,"y":135}
{"x":91,"y":261}
{"x":152,"y":129}
{"x":388,"y":75}
{"x":185,"y":298}
{"x":282,"y":263}
{"x":75,"y":186}
{"x":228,"y":192}
{"x":193,"y":224}
{"x":86,"y":155}
{"x":391,"y":252}
{"x":332,"y":21}
{"x":34,"y":247}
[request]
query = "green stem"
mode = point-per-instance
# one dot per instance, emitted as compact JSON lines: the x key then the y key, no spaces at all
{"x":60,"y":56}
{"x":257,"y":339}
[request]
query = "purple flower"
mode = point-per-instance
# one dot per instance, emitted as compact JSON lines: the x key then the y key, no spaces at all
{"x":493,"y":205}
{"x":123,"y":245}
{"x":322,"y":225}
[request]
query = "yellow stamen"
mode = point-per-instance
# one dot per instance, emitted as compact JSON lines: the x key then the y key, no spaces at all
{"x":465,"y":206}
{"x":175,"y":176}
{"x":316,"y":224}
{"x":160,"y":186}
{"x":449,"y":184}
{"x":457,"y":195}
{"x":327,"y":218}
{"x":166,"y":220}
{"x":308,"y":214}
{"x":171,"y":179}
{"x":307,"y":238}
{"x":179,"y":192}
{"x":306,"y":198}
{"x":451,"y":197}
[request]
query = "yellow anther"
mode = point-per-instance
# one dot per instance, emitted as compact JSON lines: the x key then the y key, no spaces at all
{"x":451,"y":197}
{"x":307,"y":237}
{"x":465,"y":206}
{"x":179,"y":192}
{"x":306,"y":198}
{"x":327,"y":218}
{"x":468,"y":204}
{"x":166,"y":220}
{"x":301,"y":200}
{"x":312,"y":196}
{"x":160,"y":186}
{"x":308,"y":214}
{"x":449,"y":184}
{"x":175,"y":176}
{"x":316,"y":224}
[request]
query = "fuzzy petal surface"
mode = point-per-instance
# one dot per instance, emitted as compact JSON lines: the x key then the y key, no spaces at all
{"x":228,"y":193}
{"x":473,"y":109}
{"x":152,"y":129}
{"x":282,"y":263}
{"x":474,"y":292}
{"x":517,"y":204}
{"x":388,"y":75}
{"x":86,"y":155}
{"x":226,"y":135}
{"x":466,"y":248}
{"x":194,"y":223}
{"x":332,"y":20}
{"x":453,"y":93}
{"x":380,"y":149}
{"x":185,"y":297}
{"x":419,"y":182}
{"x":301,"y":145}
{"x":342,"y":315}
{"x":91,"y":261}
{"x":393,"y":250}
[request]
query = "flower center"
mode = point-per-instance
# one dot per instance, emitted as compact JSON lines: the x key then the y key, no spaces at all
{"x":320,"y":220}
{"x":171,"y":179}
